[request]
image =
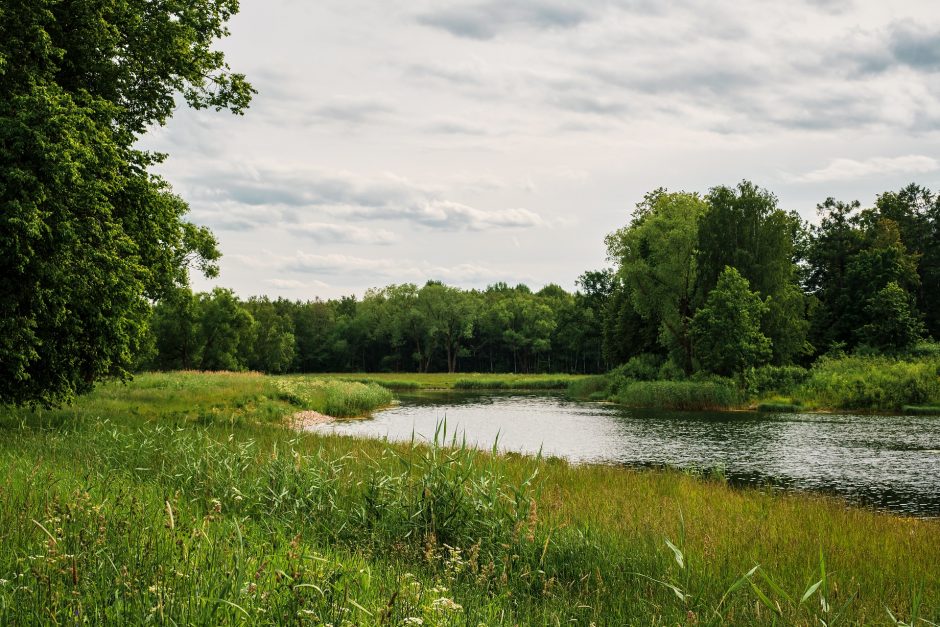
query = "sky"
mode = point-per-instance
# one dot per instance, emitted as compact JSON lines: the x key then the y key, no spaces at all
{"x":476,"y":141}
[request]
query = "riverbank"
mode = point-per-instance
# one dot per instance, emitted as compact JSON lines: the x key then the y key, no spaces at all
{"x":183,"y":498}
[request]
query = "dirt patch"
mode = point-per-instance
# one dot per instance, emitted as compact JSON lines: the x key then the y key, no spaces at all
{"x":303,"y":420}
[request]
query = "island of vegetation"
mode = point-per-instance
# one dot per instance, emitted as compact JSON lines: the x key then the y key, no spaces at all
{"x":186,"y":497}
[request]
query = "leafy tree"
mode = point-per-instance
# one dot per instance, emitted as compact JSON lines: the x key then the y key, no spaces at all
{"x":745,"y":229}
{"x":87,"y":235}
{"x":272,"y":343}
{"x":175,"y":325}
{"x":450,"y":314}
{"x":916,"y":211}
{"x":726,"y":330}
{"x":893,"y":326}
{"x":224,"y":331}
{"x":657,"y":262}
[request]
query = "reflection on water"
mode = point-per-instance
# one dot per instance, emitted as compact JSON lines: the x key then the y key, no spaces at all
{"x":889,"y":462}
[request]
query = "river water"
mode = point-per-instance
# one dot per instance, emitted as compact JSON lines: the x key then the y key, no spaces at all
{"x":886,"y":462}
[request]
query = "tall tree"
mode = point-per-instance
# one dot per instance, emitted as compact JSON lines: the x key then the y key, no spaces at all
{"x":87,"y":235}
{"x":745,"y":229}
{"x":656,"y":255}
{"x":726,"y":330}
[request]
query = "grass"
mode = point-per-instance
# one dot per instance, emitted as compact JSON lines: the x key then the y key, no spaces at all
{"x":182,"y":499}
{"x":921,"y":410}
{"x":464,"y":381}
{"x":684,"y":395}
{"x":872,"y":383}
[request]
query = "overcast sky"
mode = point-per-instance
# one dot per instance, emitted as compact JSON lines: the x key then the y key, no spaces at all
{"x":474,"y":141}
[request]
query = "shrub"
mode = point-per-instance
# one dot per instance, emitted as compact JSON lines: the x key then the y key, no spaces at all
{"x":774,"y":379}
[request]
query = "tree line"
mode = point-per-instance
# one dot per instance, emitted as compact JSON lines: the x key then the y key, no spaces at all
{"x":401,"y":328}
{"x":717,"y":284}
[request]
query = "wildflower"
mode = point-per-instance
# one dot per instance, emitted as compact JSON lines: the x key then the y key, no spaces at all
{"x":447,"y":605}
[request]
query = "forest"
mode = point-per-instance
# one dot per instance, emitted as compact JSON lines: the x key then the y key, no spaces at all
{"x":715,"y":284}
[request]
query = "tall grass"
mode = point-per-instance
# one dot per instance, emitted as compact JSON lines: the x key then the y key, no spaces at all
{"x":513,"y":383}
{"x":873,"y":383}
{"x":334,"y":397}
{"x":685,"y":395}
{"x":120,"y":517}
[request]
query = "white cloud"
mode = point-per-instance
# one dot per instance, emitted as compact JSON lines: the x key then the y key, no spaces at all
{"x":344,"y":233}
{"x":233,"y":198}
{"x":852,"y":169}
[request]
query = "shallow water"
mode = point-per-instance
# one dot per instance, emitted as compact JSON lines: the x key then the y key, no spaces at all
{"x":886,"y":462}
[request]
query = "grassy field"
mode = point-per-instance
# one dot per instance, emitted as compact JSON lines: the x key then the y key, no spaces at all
{"x":183,"y":499}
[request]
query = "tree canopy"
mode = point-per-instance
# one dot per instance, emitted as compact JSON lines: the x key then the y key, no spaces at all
{"x":87,"y":235}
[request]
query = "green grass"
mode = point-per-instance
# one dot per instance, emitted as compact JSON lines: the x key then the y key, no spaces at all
{"x":465,"y":381}
{"x":921,"y":410}
{"x":183,"y":499}
{"x":685,"y":395}
{"x":872,"y":383}
{"x":333,"y":397}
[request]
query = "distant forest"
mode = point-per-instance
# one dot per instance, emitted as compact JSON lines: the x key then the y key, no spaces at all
{"x":715,"y":284}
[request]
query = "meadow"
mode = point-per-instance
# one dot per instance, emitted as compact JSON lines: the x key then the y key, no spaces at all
{"x":184,"y":498}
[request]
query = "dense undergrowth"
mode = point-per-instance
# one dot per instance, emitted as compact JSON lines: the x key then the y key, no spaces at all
{"x":182,"y":499}
{"x":858,"y":382}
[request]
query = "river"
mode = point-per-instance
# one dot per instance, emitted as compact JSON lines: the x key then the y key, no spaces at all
{"x":885,"y":462}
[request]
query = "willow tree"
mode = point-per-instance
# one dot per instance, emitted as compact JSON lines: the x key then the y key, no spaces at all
{"x":88,"y":236}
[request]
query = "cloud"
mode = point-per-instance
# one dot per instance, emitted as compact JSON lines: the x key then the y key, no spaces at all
{"x":851,"y":169}
{"x":391,"y":269}
{"x":915,"y":46}
{"x":344,"y":233}
{"x":263,"y":196}
{"x":485,"y":20}
{"x":352,"y":110}
{"x":294,"y":284}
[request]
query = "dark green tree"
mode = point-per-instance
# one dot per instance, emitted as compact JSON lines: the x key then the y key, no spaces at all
{"x":745,"y":229}
{"x":893,"y":326}
{"x":726,"y":331}
{"x":87,"y":236}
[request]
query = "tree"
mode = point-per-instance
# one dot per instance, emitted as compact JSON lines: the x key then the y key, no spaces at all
{"x":745,"y":229}
{"x":225,"y":331}
{"x":450,"y":314}
{"x":87,"y":236}
{"x":893,"y":325}
{"x":656,"y":255}
{"x":726,"y":330}
{"x":273,"y":344}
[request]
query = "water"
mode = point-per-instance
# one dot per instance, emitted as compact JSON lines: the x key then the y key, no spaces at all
{"x":886,"y":462}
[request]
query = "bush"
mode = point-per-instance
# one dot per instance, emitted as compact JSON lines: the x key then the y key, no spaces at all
{"x":643,"y":367}
{"x":774,"y":379}
{"x":689,"y":395}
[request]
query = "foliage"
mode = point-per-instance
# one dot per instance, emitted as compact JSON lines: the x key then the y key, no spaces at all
{"x":657,"y":263}
{"x":726,"y":329}
{"x":774,"y":379}
{"x":340,"y":399}
{"x":685,"y":395}
{"x":872,"y":383}
{"x":87,"y":235}
{"x":893,"y":325}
